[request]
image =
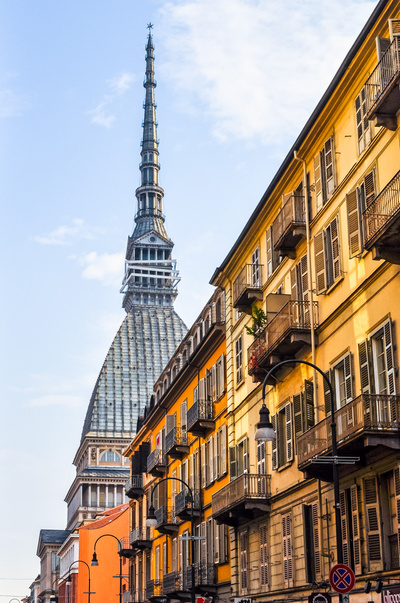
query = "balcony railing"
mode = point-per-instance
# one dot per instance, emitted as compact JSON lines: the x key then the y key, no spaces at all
{"x":247,"y":287}
{"x":171,"y":583}
{"x":204,"y":575}
{"x":141,"y":538}
{"x":125,"y":549}
{"x":242,"y":499}
{"x":166,"y":520}
{"x":176,"y":442}
{"x":293,"y":318}
{"x":153,"y":589}
{"x":200,"y":417}
{"x":289,"y":227}
{"x":366,"y":413}
{"x":134,"y":487}
{"x":183,"y":503}
{"x":381,"y":89}
{"x":156,"y":462}
{"x":382,"y":214}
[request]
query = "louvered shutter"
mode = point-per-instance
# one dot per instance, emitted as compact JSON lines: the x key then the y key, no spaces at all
{"x":202,"y":390}
{"x":216,"y":543}
{"x":203,"y":466}
{"x":369,"y":187}
{"x":287,"y":550}
{"x":364,"y":355}
{"x":394,"y":28}
{"x":274,"y":444}
{"x":318,"y":182}
{"x":382,"y":44}
{"x":293,"y":283}
{"x":298,"y":414}
{"x":223,"y":450}
{"x":387,"y":329}
{"x":232,"y":462}
{"x":261,"y":458}
{"x":396,"y":475}
{"x":363,"y":125}
{"x":264,"y":555}
{"x":320,"y":267}
{"x":329,"y":164}
{"x":344,"y":526}
{"x":355,"y":516}
{"x":353,"y":223}
{"x":196,"y":394}
{"x":316,"y":541}
{"x":372,"y":521}
{"x":214,"y":381}
{"x":243,"y":560}
{"x":335,"y":242}
{"x":269,"y":250}
{"x":217,"y":451}
{"x":348,"y":376}
{"x":211,"y":459}
{"x":304,"y":277}
{"x":203,"y":545}
{"x":170,"y":421}
{"x":180,"y":547}
{"x":221,"y":375}
{"x":327,"y":392}
{"x":308,"y":404}
{"x":289,"y":436}
{"x":246,"y":464}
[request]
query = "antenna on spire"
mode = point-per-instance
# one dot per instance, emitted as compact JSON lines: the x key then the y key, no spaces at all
{"x":149,"y":27}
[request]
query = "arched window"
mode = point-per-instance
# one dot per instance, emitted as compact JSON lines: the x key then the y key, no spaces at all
{"x":110,"y":457}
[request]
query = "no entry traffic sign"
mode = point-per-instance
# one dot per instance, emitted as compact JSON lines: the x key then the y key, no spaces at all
{"x":341,"y":578}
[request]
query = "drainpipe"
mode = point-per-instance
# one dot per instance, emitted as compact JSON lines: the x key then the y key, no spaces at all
{"x":311,"y":290}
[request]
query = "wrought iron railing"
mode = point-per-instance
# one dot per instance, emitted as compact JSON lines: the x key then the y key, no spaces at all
{"x":135,"y":483}
{"x":171,"y":583}
{"x":204,"y":575}
{"x":201,"y":410}
{"x":295,"y":315}
{"x":249,"y":278}
{"x":156,"y":458}
{"x":245,"y":487}
{"x":153,"y":589}
{"x":292,"y":214}
{"x":165,"y":515}
{"x":182,"y":500}
{"x":124,"y":544}
{"x":175,"y":437}
{"x":384,"y":73}
{"x":366,"y":412}
{"x":381,"y":209}
{"x":127,"y":596}
{"x":143,"y":533}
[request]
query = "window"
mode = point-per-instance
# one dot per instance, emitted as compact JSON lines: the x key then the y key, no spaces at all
{"x":377,"y":363}
{"x":273,"y":259}
{"x":350,"y":521}
{"x":299,"y":280}
{"x":264,"y":555}
{"x":341,"y":379}
{"x":220,"y":543}
{"x":311,"y":542}
{"x":243,"y":560}
{"x":327,"y":256}
{"x":324,"y":173}
{"x":157,"y":576}
{"x":364,"y":127}
{"x":175,"y":554}
{"x":303,"y":409}
{"x":110,"y":457}
{"x":357,"y":201}
{"x":256,"y":268}
{"x":287,"y":550}
{"x":239,"y":359}
{"x":239,"y":459}
{"x":220,"y":464}
{"x":282,"y":445}
{"x":184,"y":417}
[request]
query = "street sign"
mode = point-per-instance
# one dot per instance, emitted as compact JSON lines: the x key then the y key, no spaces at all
{"x":342,"y":578}
{"x":319,"y":598}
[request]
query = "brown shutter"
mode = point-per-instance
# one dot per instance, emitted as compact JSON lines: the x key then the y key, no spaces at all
{"x":348,"y":376}
{"x":316,"y":542}
{"x":335,"y":240}
{"x":289,"y":434}
{"x":320,"y":268}
{"x":355,"y":516}
{"x":365,"y":366}
{"x":293,"y":283}
{"x":298,"y":414}
{"x":274,"y":444}
{"x":369,"y":187}
{"x":329,"y":161}
{"x":327,"y":392}
{"x":372,"y":521}
{"x":387,"y":329}
{"x":232,"y":462}
{"x":318,"y":182}
{"x":287,"y":550}
{"x":264,"y":555}
{"x":394,"y":28}
{"x":344,"y":527}
{"x":353,"y":223}
{"x":223,"y":449}
{"x":309,"y":404}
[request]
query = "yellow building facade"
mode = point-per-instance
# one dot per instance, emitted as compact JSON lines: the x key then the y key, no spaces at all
{"x":179,"y":459}
{"x":314,"y":276}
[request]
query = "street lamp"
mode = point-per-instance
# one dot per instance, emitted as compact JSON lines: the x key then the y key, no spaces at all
{"x":335,"y":460}
{"x":151,"y":522}
{"x":15,"y":599}
{"x":95,"y":562}
{"x":69,"y":579}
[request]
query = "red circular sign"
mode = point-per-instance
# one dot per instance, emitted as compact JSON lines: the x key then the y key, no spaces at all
{"x":342,"y":578}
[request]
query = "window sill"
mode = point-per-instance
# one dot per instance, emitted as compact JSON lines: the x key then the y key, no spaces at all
{"x":335,"y":284}
{"x":239,"y":385}
{"x":283,"y":467}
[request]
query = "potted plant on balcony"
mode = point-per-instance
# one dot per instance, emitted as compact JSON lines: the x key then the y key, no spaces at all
{"x":259,"y":319}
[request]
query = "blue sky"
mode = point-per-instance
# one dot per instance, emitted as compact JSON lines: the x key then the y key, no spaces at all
{"x":237,"y":79}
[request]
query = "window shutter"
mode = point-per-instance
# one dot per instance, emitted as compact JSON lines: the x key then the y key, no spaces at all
{"x":270,"y":268}
{"x":327,"y":394}
{"x":261,"y":458}
{"x":329,"y":161}
{"x":304,"y":277}
{"x":387,"y":329}
{"x":211,"y":459}
{"x":287,"y":551}
{"x":243,"y":560}
{"x":397,"y":502}
{"x":274,"y":444}
{"x":203,"y":546}
{"x":203,"y":466}
{"x":309,"y":404}
{"x":289,"y":436}
{"x":335,"y":242}
{"x":344,"y":525}
{"x":293,"y":283}
{"x":319,"y":255}
{"x":264,"y":555}
{"x":394,"y":28}
{"x":317,"y":551}
{"x":180,"y":546}
{"x":298,"y":414}
{"x":369,"y":187}
{"x":382,"y":44}
{"x":214,"y":381}
{"x":246,"y":464}
{"x":232,"y":462}
{"x":202,"y":390}
{"x":353,"y":223}
{"x":364,"y":356}
{"x":318,"y":182}
{"x":217,"y":452}
{"x":372,"y":520}
{"x":363,"y":125}
{"x":216,"y":542}
{"x":355,"y":516}
{"x":223,"y":450}
{"x":348,"y":377}
{"x":221,"y":374}
{"x":195,"y":394}
{"x":170,"y":421}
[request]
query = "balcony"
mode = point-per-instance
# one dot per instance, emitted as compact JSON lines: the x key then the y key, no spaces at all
{"x":369,"y":423}
{"x":134,"y":487}
{"x":283,"y":337}
{"x":381,"y":223}
{"x":176,"y":443}
{"x":183,"y":504}
{"x":154,"y":591}
{"x":289,"y":227}
{"x":382,"y":88}
{"x":247,"y":287}
{"x":166,"y":521}
{"x":156,"y":463}
{"x":245,"y":498}
{"x":200,"y":417}
{"x":125,"y":549}
{"x":205,"y":578}
{"x":141,"y":539}
{"x":171,"y":584}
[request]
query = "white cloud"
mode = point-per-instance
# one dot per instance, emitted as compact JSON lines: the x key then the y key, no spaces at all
{"x":258,"y":67}
{"x":103,"y":114}
{"x":66,"y":235}
{"x":104,"y":267}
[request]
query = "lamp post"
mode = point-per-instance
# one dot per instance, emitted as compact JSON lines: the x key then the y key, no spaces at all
{"x":69,"y":580}
{"x":14,"y":599}
{"x":95,"y":562}
{"x":151,"y":523}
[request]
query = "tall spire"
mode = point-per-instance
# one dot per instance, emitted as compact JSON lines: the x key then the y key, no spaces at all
{"x":150,"y":276}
